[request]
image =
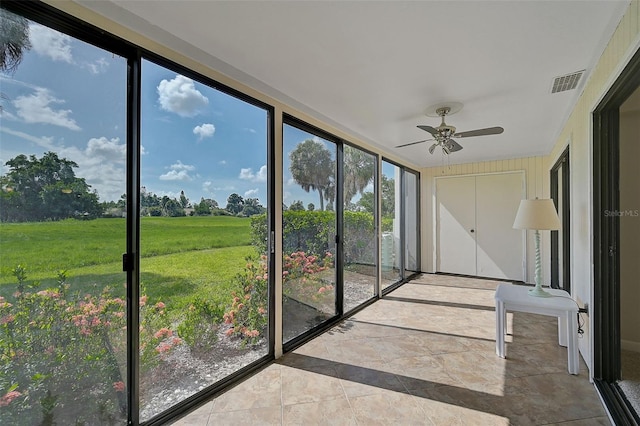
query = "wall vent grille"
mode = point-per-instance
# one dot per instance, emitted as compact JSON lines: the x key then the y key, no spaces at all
{"x":566,"y":82}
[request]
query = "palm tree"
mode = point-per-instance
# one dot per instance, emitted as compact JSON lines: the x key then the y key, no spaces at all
{"x":14,"y":40}
{"x":313,"y":169}
{"x":358,"y":171}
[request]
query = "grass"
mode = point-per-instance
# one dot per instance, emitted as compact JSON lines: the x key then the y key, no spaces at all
{"x":180,"y":257}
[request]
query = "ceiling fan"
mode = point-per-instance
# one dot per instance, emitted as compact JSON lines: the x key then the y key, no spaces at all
{"x":443,"y":134}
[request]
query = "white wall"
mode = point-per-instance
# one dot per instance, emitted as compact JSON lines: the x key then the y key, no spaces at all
{"x":537,"y":183}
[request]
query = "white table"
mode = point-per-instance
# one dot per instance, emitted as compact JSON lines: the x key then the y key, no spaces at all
{"x":510,"y":297}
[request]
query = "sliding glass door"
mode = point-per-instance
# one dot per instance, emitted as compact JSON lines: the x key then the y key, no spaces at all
{"x":360,"y":236}
{"x":308,"y":231}
{"x":203,"y":268}
{"x":63,"y":323}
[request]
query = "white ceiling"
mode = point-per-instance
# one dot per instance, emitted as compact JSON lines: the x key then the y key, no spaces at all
{"x":371,"y":68}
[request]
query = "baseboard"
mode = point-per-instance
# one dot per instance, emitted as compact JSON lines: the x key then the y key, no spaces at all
{"x":630,"y":345}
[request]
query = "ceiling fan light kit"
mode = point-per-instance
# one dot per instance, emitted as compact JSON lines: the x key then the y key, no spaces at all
{"x":443,"y":134}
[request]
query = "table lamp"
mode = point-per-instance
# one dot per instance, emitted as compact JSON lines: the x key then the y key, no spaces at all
{"x":537,"y":215}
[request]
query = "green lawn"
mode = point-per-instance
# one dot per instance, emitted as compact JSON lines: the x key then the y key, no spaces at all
{"x":181,"y":257}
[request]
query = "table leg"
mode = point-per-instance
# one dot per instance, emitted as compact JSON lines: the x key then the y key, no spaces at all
{"x":572,"y":342}
{"x":500,"y":328}
{"x":562,"y":330}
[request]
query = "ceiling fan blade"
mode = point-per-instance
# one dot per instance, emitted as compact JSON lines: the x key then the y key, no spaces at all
{"x":429,"y":129}
{"x":432,"y":148}
{"x":480,"y":132}
{"x":453,"y":146}
{"x":413,"y":143}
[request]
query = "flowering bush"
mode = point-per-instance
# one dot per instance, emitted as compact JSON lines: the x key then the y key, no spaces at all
{"x":64,"y":356}
{"x":248,"y":313}
{"x":247,"y":316}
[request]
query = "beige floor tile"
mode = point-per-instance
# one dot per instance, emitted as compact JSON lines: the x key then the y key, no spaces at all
{"x":424,"y":355}
{"x":198,"y":417}
{"x":253,"y":417}
{"x":328,"y":412}
{"x":300,"y":386}
{"x":388,"y":408}
{"x":260,"y":390}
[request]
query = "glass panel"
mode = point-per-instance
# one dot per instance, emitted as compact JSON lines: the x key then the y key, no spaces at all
{"x":309,"y":229}
{"x":360,"y":251}
{"x":204,"y":281}
{"x":390,"y":211}
{"x":411,"y":235}
{"x":63,"y":230}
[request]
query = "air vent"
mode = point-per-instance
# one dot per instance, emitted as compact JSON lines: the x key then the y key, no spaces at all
{"x":566,"y":82}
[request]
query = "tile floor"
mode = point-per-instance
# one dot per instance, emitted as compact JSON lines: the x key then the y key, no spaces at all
{"x":423,"y":355}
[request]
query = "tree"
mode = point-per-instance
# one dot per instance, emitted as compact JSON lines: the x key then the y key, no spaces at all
{"x":252,"y":207}
{"x":184,"y":201}
{"x":311,"y":207}
{"x":45,"y":189}
{"x":359,"y":168}
{"x":367,"y":200}
{"x":296,"y":206}
{"x":202,"y":209}
{"x":173,"y":208}
{"x":388,"y":188}
{"x":313,"y":169}
{"x":14,"y":40}
{"x":234,"y":203}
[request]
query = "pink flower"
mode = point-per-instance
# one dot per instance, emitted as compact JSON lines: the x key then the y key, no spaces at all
{"x":262,"y":310}
{"x":143,"y":300}
{"x":160,"y":305}
{"x":229,"y":332}
{"x":322,"y":290}
{"x":9,"y":397}
{"x":7,"y":319}
{"x":163,"y":347}
{"x":118,"y":386}
{"x":163,"y":332}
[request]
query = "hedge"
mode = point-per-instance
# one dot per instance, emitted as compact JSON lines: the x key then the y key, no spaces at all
{"x":313,"y":232}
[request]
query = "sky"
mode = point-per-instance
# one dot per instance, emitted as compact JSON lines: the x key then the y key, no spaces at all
{"x":69,"y":97}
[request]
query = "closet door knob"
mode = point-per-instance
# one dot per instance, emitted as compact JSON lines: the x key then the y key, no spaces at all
{"x":473,"y":230}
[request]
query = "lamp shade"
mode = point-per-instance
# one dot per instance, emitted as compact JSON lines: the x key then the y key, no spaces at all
{"x":537,"y":214}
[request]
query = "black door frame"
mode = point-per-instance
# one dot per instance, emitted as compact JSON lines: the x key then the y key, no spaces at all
{"x":564,"y":163}
{"x":606,"y":240}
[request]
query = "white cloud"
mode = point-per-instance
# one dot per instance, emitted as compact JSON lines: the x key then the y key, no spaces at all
{"x":97,"y":67}
{"x":222,"y":162}
{"x":205,"y":131}
{"x":251,"y":193}
{"x":36,"y":108}
{"x":181,"y":96}
{"x":178,"y":171}
{"x":247,"y":174}
{"x":250,"y":130}
{"x":50,"y":43}
{"x":45,"y":142}
{"x":107,"y":149}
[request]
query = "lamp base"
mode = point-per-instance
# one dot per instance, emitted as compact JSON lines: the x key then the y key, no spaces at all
{"x":537,"y":291}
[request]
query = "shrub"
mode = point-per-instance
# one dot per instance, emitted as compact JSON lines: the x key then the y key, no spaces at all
{"x":62,"y":356}
{"x":313,"y":232}
{"x":247,"y":316}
